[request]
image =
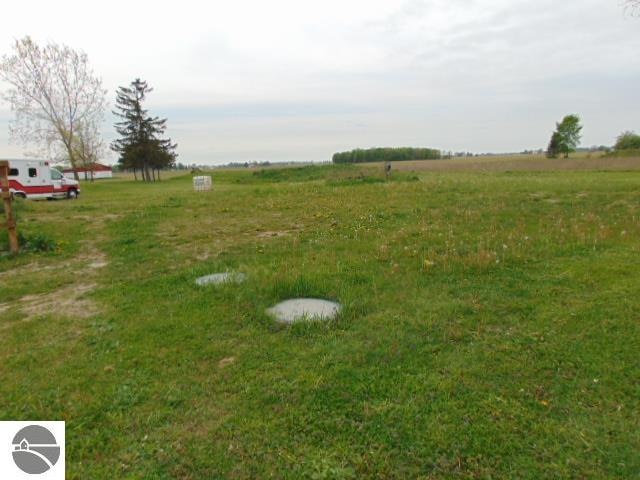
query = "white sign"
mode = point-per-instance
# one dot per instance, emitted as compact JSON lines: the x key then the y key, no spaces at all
{"x":202,"y":183}
{"x":32,"y":450}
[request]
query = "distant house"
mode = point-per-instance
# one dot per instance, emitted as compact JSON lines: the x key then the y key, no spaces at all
{"x":97,"y":170}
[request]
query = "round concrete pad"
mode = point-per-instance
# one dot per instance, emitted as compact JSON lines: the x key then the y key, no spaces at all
{"x":218,"y":278}
{"x":296,"y":309}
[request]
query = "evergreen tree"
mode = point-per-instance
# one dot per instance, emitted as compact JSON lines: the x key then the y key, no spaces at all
{"x":140,"y":144}
{"x":554,"y":145}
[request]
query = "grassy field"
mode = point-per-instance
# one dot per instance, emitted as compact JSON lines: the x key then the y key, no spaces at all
{"x":490,"y":326}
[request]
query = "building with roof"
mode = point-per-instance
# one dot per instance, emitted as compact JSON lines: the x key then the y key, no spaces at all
{"x":87,"y":172}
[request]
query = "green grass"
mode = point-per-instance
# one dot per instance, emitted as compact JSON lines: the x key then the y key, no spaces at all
{"x":490,"y":326}
{"x":331,"y":174}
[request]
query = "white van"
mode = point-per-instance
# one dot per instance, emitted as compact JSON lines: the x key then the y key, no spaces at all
{"x":37,"y":179}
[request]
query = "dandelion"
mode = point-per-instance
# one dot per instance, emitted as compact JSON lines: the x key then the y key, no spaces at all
{"x":428,"y":264}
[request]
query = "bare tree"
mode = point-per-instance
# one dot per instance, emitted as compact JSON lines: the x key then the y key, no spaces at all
{"x":90,"y":147}
{"x":54,"y":94}
{"x":87,"y":146}
{"x":632,"y":6}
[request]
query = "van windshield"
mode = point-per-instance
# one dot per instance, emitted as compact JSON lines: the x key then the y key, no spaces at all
{"x":55,"y":174}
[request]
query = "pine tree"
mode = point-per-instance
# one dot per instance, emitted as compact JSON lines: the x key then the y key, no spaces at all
{"x":141,"y":146}
{"x":554,"y":145}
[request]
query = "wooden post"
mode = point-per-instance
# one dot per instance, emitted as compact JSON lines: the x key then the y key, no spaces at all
{"x":5,"y":194}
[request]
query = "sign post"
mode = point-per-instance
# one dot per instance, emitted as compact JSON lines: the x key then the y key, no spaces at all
{"x":5,"y":195}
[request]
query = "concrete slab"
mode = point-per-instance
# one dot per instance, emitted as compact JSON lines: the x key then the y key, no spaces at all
{"x":297,"y":309}
{"x":219,"y":278}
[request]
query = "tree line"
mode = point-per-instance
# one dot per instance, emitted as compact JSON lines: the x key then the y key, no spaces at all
{"x":386,"y":155}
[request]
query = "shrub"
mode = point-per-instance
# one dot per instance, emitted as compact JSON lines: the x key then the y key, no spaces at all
{"x":37,"y":243}
{"x":627,"y":141}
{"x":29,"y":243}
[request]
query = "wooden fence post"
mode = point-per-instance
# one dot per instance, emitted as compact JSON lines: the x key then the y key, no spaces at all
{"x":5,"y":194}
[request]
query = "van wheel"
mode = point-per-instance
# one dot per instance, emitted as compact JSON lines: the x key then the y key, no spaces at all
{"x":19,"y":195}
{"x":72,"y":194}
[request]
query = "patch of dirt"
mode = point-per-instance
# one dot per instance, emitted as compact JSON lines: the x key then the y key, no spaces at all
{"x":97,"y":260}
{"x":538,"y":195}
{"x":225,"y":362}
{"x":91,"y":258}
{"x":279,"y":233}
{"x":25,"y":269}
{"x":66,"y":301}
{"x":273,"y":233}
{"x":87,"y":261}
{"x":94,"y":218}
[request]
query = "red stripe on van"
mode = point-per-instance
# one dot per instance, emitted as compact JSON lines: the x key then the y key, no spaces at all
{"x":28,"y":189}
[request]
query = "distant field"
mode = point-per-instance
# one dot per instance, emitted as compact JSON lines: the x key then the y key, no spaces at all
{"x":533,"y":163}
{"x":490,"y":325}
{"x":490,"y":163}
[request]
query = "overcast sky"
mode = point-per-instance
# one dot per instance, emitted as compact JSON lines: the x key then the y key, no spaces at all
{"x":295,"y":80}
